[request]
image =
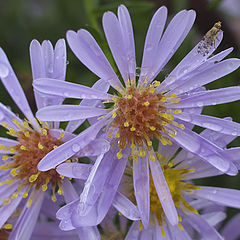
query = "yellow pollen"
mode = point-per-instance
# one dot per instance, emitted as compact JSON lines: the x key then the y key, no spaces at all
{"x":6,"y":201}
{"x":54,"y":199}
{"x":114,"y":114}
{"x":141,"y":153}
{"x":27,"y":134}
{"x":119,"y":155}
{"x":55,"y":146}
{"x":14,"y":172}
{"x":100,"y":117}
{"x":23,"y":148}
{"x":163,"y":232}
{"x":44,"y":187}
{"x":129,"y":96}
{"x":5,"y":157}
{"x":132,"y":129}
{"x":62,"y":135}
{"x":126,"y":124}
{"x":173,"y":95}
{"x":7,"y":226}
{"x":117,"y":135}
{"x":33,"y":177}
{"x":29,"y":202}
{"x":40,"y":146}
{"x":180,"y":226}
{"x":152,"y":157}
{"x":149,"y":143}
{"x":146,"y":104}
{"x":152,"y":128}
{"x":156,"y":83}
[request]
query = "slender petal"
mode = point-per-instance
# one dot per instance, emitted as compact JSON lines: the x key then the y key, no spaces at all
{"x":70,"y":148}
{"x":210,"y":74}
{"x":179,"y":28}
{"x":204,"y":229}
{"x":68,"y":90}
{"x":75,"y":170}
{"x":126,"y":207}
{"x":14,"y":88}
{"x":8,"y":116}
{"x":141,"y":188}
{"x":89,"y":233}
{"x":114,"y":37}
{"x":163,"y":192}
{"x":89,"y":53}
{"x":231,"y":230}
{"x":189,"y":63}
{"x":212,"y":123}
{"x":68,"y":112}
{"x":128,"y":38}
{"x":153,"y":36}
{"x":223,"y":196}
{"x":7,"y":142}
{"x":133,"y":233}
{"x":100,"y":84}
{"x":206,"y":150}
{"x":210,"y":97}
{"x":26,"y":222}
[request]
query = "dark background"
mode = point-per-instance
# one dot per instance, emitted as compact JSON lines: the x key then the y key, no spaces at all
{"x":24,"y":20}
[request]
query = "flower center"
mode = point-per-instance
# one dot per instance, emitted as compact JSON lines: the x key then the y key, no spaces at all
{"x":140,"y":116}
{"x":26,"y":155}
{"x":174,"y":178}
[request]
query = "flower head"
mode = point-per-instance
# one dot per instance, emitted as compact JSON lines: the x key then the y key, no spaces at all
{"x":143,"y":109}
{"x":24,"y":188}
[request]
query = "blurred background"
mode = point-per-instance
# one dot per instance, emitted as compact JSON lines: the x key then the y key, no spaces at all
{"x":24,"y":20}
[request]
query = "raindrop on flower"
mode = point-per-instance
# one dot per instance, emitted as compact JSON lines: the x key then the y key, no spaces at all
{"x":4,"y":71}
{"x":75,"y":147}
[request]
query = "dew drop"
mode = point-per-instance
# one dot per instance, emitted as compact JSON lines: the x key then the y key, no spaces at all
{"x":199,"y":104}
{"x":75,"y":147}
{"x":4,"y":71}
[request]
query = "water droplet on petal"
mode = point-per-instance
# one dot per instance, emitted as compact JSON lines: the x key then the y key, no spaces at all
{"x":4,"y":71}
{"x":199,"y":104}
{"x":75,"y":147}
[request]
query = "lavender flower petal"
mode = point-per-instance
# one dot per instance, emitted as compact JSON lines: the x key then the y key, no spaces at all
{"x":89,"y":233}
{"x":231,"y":230}
{"x":67,"y":150}
{"x":204,"y":229}
{"x":223,"y":196}
{"x":100,"y":84}
{"x":127,"y":31}
{"x":68,"y":112}
{"x":153,"y":36}
{"x":14,"y":88}
{"x":115,"y":41}
{"x":7,"y":142}
{"x":89,"y":53}
{"x":163,"y":192}
{"x":206,"y":150}
{"x":179,"y":27}
{"x":210,"y":74}
{"x":26,"y":222}
{"x":68,"y":90}
{"x":210,"y":97}
{"x":212,"y":123}
{"x":126,"y":207}
{"x":75,"y":170}
{"x":133,"y":233}
{"x":141,"y":188}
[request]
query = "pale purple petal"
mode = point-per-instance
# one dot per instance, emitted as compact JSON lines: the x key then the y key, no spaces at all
{"x":68,"y":149}
{"x":210,"y":97}
{"x":26,"y":221}
{"x":231,"y":231}
{"x":89,"y":53}
{"x":179,"y":233}
{"x":141,"y":188}
{"x":203,"y":228}
{"x":133,"y":233}
{"x":7,"y":142}
{"x":7,"y":190}
{"x":7,"y":116}
{"x":90,"y":233}
{"x":214,"y":218}
{"x":167,"y":151}
{"x":179,"y":28}
{"x":115,"y":41}
{"x":223,"y":196}
{"x":57,"y":134}
{"x":189,"y":63}
{"x":127,"y":31}
{"x":100,"y":84}
{"x":153,"y":37}
{"x":75,"y":170}
{"x":126,"y":207}
{"x":14,"y":88}
{"x":206,"y":150}
{"x":199,"y":78}
{"x":163,"y":192}
{"x":212,"y":123}
{"x":69,"y":112}
{"x":70,"y":193}
{"x":7,"y":210}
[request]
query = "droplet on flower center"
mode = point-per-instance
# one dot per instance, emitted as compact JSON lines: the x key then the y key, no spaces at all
{"x":23,"y":161}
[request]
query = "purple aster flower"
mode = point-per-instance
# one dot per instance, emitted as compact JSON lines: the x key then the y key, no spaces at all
{"x":22,"y":185}
{"x":143,"y":109}
{"x":179,"y":169}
